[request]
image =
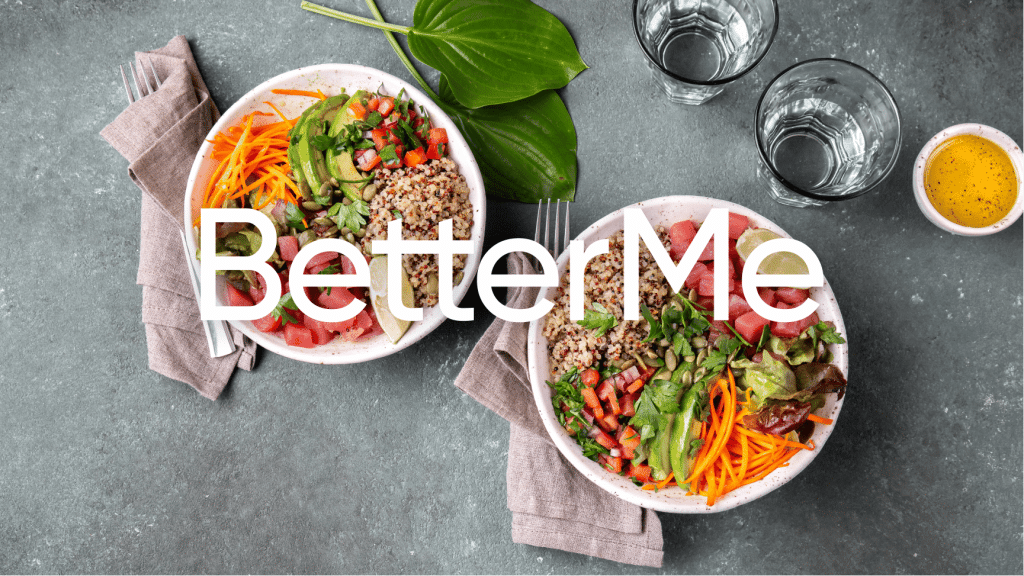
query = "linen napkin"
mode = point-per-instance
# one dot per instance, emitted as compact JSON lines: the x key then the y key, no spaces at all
{"x":159,"y":135}
{"x":553,"y":505}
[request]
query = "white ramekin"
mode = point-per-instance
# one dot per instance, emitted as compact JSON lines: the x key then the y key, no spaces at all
{"x":1004,"y":142}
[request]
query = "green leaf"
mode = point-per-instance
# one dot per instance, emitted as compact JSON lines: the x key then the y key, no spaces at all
{"x":351,"y":216}
{"x":293,"y":216}
{"x":598,"y":318}
{"x":283,"y":306}
{"x":656,"y":328}
{"x":494,"y":51}
{"x":526,"y":150}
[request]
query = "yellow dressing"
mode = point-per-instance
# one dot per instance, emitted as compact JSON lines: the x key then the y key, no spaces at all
{"x":971,"y":181}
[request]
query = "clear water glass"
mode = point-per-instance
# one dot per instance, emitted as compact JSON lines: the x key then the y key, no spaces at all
{"x":826,"y":130}
{"x":695,"y":48}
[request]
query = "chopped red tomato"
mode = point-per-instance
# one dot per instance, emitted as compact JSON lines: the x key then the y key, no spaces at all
{"x":298,"y":335}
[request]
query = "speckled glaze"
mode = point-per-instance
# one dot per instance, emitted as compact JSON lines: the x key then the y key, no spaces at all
{"x":666,"y":211}
{"x":921,"y":195}
{"x":331,"y":78}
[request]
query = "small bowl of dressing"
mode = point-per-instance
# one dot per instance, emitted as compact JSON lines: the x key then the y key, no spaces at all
{"x":967,"y":180}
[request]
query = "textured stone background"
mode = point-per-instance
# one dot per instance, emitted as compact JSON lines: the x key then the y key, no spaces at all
{"x":386,"y":467}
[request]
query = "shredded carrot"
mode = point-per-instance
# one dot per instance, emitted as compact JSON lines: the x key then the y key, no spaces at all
{"x":819,"y":419}
{"x":253,"y":162}
{"x":733,"y":456}
{"x":317,"y":94}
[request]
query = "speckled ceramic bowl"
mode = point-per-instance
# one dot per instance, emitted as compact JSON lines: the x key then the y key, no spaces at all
{"x":331,"y":78}
{"x":667,"y":211}
{"x":989,"y":133}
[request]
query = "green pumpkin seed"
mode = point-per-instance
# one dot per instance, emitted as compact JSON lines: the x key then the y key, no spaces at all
{"x":699,"y":341}
{"x":670,"y":359}
{"x":309,"y":205}
{"x":627,"y":364}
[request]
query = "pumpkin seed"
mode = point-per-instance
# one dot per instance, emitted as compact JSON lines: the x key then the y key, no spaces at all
{"x":692,"y":296}
{"x":360,"y":233}
{"x":369,"y":192}
{"x":651,"y":354}
{"x":702,"y":355}
{"x":458,"y":278}
{"x":323,"y":221}
{"x":640,"y":361}
{"x":346,"y":201}
{"x":351,"y":238}
{"x":325,"y":190}
{"x":431,"y":287}
{"x":345,"y":231}
{"x":670,"y":359}
{"x":334,"y":182}
{"x":627,"y":364}
{"x":689,"y":358}
{"x":664,"y":343}
{"x":663,"y":374}
{"x":686,"y":379}
{"x":699,"y":341}
{"x":699,"y":373}
{"x":304,"y":189}
{"x":309,"y":205}
{"x":331,"y":232}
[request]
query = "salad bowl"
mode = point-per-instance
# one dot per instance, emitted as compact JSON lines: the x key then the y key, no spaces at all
{"x":332,"y":79}
{"x":666,"y":211}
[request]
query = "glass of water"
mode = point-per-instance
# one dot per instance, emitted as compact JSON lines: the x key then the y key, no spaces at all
{"x":695,"y":47}
{"x":826,"y":130}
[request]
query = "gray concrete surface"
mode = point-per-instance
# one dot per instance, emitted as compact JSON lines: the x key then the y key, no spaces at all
{"x":108,"y":467}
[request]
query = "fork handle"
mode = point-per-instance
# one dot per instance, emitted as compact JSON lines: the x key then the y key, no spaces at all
{"x":218,"y":338}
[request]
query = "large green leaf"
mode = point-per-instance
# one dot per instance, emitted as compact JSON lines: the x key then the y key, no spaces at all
{"x":526,"y":150}
{"x":494,"y":51}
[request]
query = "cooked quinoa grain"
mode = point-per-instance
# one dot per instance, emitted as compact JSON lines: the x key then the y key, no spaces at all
{"x":424,"y":195}
{"x":570,"y":344}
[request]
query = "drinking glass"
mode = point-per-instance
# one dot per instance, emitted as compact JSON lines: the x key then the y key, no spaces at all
{"x":826,"y":130}
{"x":695,"y":47}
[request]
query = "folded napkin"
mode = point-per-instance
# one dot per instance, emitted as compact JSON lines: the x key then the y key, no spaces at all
{"x":159,"y":135}
{"x":553,"y":505}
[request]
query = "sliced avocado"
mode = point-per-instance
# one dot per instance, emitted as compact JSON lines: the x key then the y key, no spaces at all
{"x":339,"y":164}
{"x":660,"y":458}
{"x":311,"y":160}
{"x":684,"y":432}
{"x":293,"y":139}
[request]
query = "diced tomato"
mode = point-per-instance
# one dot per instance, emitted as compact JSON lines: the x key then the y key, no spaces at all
{"x":238,"y":298}
{"x":368,"y":160}
{"x":267,"y":324}
{"x":737,"y":306}
{"x":737,"y":225}
{"x":258,"y":291}
{"x":357,"y":110}
{"x":298,"y":335}
{"x":708,"y":253}
{"x":411,"y":114}
{"x":437,"y":136}
{"x":611,"y":422}
{"x":642,"y":472}
{"x":375,"y":328}
{"x":606,"y":389}
{"x":379,"y":137}
{"x":681,"y":234}
{"x":628,"y":404}
{"x":385,"y":106}
{"x":628,"y":437}
{"x":397,"y":161}
{"x":321,"y":335}
{"x":610,"y":463}
{"x":693,"y":280}
{"x":750,"y":325}
{"x":590,"y":377}
{"x":288,"y":246}
{"x":792,"y":295}
{"x":372,"y":104}
{"x":437,"y":151}
{"x":415,"y":157}
{"x":603,"y":439}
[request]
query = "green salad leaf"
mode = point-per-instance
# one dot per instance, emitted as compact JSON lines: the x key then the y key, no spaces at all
{"x":768,"y":379}
{"x":352,"y":216}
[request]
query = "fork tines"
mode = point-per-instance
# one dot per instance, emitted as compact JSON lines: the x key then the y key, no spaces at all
{"x":143,"y":87}
{"x":555,"y":243}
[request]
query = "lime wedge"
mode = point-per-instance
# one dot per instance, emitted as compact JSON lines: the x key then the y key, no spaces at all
{"x":778,"y":263}
{"x":393,"y":327}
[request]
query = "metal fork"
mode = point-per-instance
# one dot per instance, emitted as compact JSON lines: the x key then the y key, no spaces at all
{"x":144,"y":88}
{"x":218,"y":338}
{"x":555,"y":245}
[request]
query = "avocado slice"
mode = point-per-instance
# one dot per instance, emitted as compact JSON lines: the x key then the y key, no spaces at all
{"x":340,"y":164}
{"x":311,"y":160}
{"x":293,"y":139}
{"x":660,"y":457}
{"x":684,"y":432}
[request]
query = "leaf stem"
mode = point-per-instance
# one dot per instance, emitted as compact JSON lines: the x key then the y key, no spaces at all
{"x":380,"y":24}
{"x":401,"y":53}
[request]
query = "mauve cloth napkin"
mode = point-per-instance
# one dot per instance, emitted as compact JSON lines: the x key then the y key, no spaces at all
{"x":159,"y":135}
{"x":553,"y":505}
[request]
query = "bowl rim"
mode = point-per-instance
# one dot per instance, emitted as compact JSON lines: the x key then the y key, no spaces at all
{"x":974,"y":129}
{"x":673,"y":499}
{"x":309,"y":76}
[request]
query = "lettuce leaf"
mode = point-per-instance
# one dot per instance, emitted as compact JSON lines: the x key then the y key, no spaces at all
{"x":768,"y":379}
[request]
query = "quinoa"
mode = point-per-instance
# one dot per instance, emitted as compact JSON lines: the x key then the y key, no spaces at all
{"x":571,"y":345}
{"x":424,"y":195}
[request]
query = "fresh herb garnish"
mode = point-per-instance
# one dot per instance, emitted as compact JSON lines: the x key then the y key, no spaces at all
{"x":332,"y":269}
{"x":598,"y":318}
{"x":294,"y":217}
{"x":283,"y":306}
{"x":351,"y":216}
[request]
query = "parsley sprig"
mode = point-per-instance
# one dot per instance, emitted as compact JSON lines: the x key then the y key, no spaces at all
{"x":598,"y":318}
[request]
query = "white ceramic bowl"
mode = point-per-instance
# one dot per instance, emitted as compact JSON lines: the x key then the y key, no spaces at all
{"x":666,"y":211}
{"x":331,"y":78}
{"x":989,"y":133}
